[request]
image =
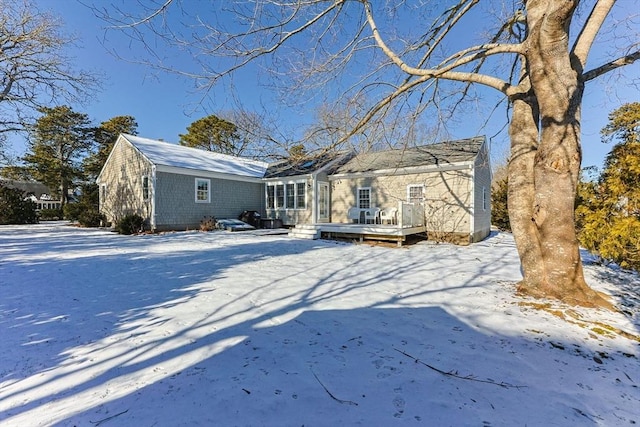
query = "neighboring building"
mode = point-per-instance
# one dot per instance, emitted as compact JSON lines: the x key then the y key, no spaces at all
{"x":442,"y":189}
{"x":39,"y":193}
{"x":175,"y":187}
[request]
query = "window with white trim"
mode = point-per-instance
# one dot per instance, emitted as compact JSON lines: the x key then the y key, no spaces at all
{"x":415,"y":193}
{"x":203,"y":190}
{"x":364,"y":198}
{"x":290,"y":195}
{"x":145,"y":188}
{"x":301,"y":195}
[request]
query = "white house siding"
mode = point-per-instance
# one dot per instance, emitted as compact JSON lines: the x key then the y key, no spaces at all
{"x":447,"y":193}
{"x":482,"y":214}
{"x":177,"y":209}
{"x":121,"y":184}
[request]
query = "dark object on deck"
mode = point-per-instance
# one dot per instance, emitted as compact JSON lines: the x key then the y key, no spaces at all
{"x":250,"y":217}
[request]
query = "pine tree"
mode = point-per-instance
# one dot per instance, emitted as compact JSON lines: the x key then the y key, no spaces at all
{"x":214,"y":134}
{"x":609,"y":214}
{"x":105,"y":136}
{"x":59,"y":140}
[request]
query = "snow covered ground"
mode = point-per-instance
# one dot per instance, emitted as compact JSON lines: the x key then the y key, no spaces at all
{"x":244,"y":329}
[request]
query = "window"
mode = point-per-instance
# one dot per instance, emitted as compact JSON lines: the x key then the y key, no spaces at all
{"x":415,"y":193}
{"x":301,"y":196}
{"x":145,"y":188}
{"x":364,"y":198}
{"x":103,"y":193}
{"x":203,"y":193}
{"x":271,"y":196}
{"x":280,"y":195}
{"x":291,"y":195}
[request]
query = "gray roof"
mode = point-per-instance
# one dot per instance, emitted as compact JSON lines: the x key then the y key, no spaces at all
{"x":307,"y":165}
{"x":28,"y":187}
{"x":463,"y":150}
{"x":166,"y":154}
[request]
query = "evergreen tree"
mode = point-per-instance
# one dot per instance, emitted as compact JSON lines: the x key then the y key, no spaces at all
{"x":499,"y":209}
{"x":214,"y":134}
{"x":59,"y":140}
{"x":16,"y":207}
{"x":609,"y":213}
{"x":105,"y":136}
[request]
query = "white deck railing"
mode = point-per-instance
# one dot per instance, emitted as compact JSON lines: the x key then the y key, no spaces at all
{"x":410,"y":215}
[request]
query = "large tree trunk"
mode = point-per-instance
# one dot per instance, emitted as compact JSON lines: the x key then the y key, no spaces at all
{"x":545,"y":160}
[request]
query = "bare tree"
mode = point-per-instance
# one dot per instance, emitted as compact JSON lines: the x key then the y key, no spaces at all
{"x":35,"y":70}
{"x":402,"y":54}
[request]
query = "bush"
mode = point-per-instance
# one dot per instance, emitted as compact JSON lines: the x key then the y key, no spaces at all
{"x":15,"y":208}
{"x":208,"y":223}
{"x":50,"y":214}
{"x":130,"y":224}
{"x":72,"y":211}
{"x":499,"y":209}
{"x":91,"y":218}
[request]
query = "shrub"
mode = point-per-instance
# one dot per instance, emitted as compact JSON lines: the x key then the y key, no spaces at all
{"x":15,"y":208}
{"x":130,"y":224}
{"x":72,"y":211}
{"x":91,"y":218}
{"x":208,"y":223}
{"x":50,"y":214}
{"x":499,"y":209}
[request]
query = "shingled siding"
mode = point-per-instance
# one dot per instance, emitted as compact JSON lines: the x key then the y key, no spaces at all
{"x":482,"y":206}
{"x":447,"y":205}
{"x":177,"y":209}
{"x":121,"y":184}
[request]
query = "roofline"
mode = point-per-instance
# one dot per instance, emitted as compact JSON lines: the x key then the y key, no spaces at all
{"x":468,"y":164}
{"x":206,"y":174}
{"x":113,"y":149}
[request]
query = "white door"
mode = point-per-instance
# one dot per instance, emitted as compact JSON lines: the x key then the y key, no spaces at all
{"x":323,"y":201}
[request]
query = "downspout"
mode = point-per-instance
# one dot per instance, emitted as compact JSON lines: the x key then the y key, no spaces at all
{"x":153,"y":197}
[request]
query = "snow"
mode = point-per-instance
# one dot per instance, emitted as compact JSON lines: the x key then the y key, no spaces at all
{"x":254,"y":329}
{"x":165,"y":154}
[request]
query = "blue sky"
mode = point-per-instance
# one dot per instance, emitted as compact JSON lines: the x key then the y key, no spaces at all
{"x":165,"y":104}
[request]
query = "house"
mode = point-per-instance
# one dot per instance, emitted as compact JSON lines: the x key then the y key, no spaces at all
{"x":37,"y":192}
{"x":175,"y":187}
{"x":440,"y":189}
{"x":446,"y":184}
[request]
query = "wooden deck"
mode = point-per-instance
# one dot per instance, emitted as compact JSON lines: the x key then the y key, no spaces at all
{"x":356,"y":231}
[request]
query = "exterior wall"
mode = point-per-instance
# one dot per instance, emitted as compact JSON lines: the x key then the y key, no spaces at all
{"x":121,"y":184}
{"x":447,"y":193}
{"x":482,"y":203}
{"x":176,"y":208}
{"x":291,"y":217}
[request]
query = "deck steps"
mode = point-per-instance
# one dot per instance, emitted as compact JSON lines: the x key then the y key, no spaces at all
{"x":305,"y":231}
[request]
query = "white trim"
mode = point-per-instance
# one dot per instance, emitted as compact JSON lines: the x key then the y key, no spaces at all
{"x":152,"y":220}
{"x":208,"y":181}
{"x":284,"y":183}
{"x":371,"y":204}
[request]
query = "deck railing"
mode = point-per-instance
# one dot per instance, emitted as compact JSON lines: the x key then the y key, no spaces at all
{"x":410,"y":215}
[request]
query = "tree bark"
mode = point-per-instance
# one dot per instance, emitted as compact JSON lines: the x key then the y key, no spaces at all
{"x":546,"y":164}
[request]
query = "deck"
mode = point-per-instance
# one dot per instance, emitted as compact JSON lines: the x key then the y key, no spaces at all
{"x":357,"y":231}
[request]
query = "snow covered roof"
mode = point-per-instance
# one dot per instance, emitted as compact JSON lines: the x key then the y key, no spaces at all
{"x":167,"y":154}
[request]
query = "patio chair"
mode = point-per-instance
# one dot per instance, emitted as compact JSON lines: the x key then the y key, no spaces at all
{"x":388,"y":216}
{"x":353,"y":214}
{"x":372,"y":215}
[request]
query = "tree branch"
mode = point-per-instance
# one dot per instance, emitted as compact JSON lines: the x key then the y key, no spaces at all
{"x":590,"y":30}
{"x":612,"y":65}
